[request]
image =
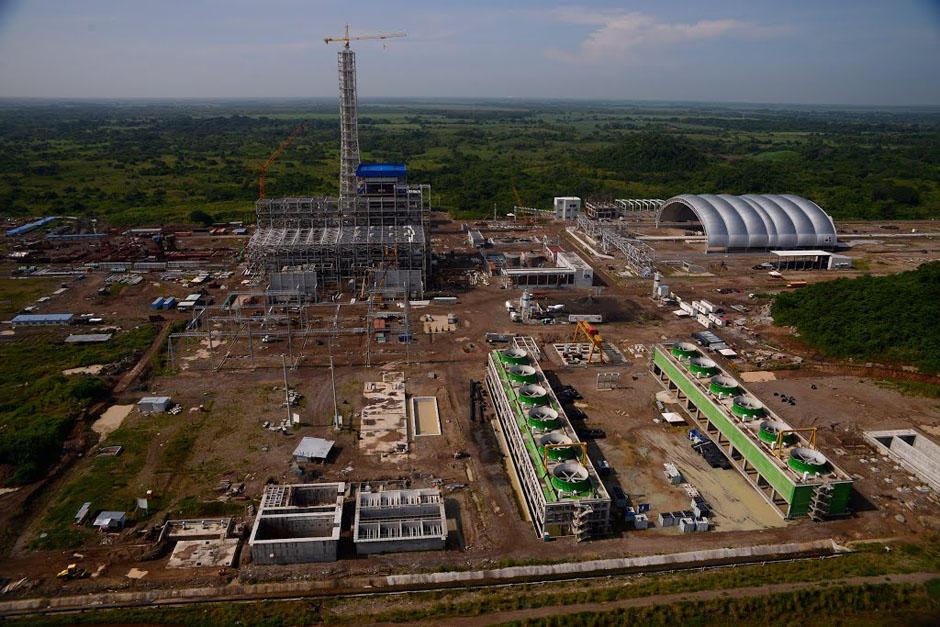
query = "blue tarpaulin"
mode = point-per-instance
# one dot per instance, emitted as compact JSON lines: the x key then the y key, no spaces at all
{"x":382,"y":170}
{"x":26,"y":228}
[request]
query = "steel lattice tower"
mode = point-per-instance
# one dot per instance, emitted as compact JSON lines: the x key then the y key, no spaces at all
{"x":349,"y":125}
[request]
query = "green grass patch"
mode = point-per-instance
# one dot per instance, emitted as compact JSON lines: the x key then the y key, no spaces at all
{"x":39,"y":404}
{"x":18,"y":293}
{"x":868,"y":561}
{"x":109,"y":483}
{"x":890,"y":318}
{"x":844,"y":605}
{"x":912,"y":388}
{"x":194,"y":507}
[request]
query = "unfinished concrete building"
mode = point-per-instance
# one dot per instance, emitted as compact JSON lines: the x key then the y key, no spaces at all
{"x":298,"y":523}
{"x":392,"y":521}
{"x":560,"y":487}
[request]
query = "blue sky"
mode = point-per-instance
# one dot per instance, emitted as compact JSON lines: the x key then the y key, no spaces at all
{"x":785,"y":51}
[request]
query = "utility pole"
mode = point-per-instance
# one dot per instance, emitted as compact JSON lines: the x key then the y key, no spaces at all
{"x":286,"y":389}
{"x":337,"y":420}
{"x":290,"y":343}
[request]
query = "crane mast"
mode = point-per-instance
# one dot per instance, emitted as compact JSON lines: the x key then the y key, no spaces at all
{"x":274,"y":155}
{"x":348,"y":110}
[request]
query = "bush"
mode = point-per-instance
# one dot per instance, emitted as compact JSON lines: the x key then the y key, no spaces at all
{"x":891,"y":318}
{"x":201,"y":217}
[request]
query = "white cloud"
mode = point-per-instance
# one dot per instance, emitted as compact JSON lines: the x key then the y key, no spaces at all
{"x":618,"y":35}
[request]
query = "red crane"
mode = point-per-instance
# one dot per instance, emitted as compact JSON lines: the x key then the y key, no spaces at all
{"x":277,"y":153}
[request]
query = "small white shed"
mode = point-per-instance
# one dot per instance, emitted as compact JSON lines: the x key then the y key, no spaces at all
{"x":154,"y":404}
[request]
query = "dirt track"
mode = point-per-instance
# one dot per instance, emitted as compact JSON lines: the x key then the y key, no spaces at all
{"x":131,"y":375}
{"x":668,"y":599}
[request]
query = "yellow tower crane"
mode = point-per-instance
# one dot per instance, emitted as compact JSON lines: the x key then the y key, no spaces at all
{"x":345,"y":38}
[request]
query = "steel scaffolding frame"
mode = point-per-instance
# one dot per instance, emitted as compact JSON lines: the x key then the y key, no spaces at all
{"x":289,"y":319}
{"x":349,"y":123}
{"x":640,"y":204}
{"x":609,"y":234}
{"x":376,"y":222}
{"x":341,"y":255}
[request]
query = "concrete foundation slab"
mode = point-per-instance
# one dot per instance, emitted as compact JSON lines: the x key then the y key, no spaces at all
{"x":220,"y":552}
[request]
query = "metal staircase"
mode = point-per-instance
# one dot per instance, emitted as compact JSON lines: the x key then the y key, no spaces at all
{"x":581,"y":523}
{"x":819,"y":504}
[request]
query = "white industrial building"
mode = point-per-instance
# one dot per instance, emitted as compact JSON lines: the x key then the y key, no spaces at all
{"x":567,"y":207}
{"x":583,"y":272}
{"x":298,"y":523}
{"x":570,"y":270}
{"x":752,"y":221}
{"x":809,"y":260}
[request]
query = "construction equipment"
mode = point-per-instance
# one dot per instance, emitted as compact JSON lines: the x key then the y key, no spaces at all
{"x":277,"y":153}
{"x":593,"y":337}
{"x":72,"y":571}
{"x":348,"y":112}
{"x":345,"y":38}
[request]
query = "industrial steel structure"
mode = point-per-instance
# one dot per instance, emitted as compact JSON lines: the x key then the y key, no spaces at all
{"x":570,"y":270}
{"x":611,"y":235}
{"x":780,"y":462}
{"x":375,"y":235}
{"x":349,"y":110}
{"x":560,"y":487}
{"x":348,"y":122}
{"x":752,"y":221}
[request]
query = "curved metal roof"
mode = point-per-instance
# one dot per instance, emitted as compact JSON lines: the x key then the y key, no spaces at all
{"x":754,"y":220}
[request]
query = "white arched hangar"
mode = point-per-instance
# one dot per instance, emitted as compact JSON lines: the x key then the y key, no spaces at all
{"x":752,"y":221}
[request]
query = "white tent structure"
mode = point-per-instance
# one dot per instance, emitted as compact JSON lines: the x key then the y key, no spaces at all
{"x":753,"y":221}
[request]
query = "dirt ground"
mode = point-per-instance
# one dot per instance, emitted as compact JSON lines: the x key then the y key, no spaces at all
{"x":228,"y":394}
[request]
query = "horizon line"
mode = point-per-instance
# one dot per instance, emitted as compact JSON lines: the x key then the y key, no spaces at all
{"x":419,"y":99}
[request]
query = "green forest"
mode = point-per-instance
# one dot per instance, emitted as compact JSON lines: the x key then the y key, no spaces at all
{"x":135,"y":162}
{"x":888,"y":319}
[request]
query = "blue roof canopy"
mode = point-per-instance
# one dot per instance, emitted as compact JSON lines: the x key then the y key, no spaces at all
{"x":380,"y":170}
{"x":26,"y":228}
{"x":42,"y":318}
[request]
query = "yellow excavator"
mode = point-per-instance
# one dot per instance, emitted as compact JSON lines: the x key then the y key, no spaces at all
{"x":73,"y":571}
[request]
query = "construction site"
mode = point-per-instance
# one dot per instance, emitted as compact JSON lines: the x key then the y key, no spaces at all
{"x":373,"y":378}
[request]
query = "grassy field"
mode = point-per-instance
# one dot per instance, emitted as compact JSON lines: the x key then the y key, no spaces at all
{"x":40,"y":404}
{"x":18,"y":293}
{"x":875,"y":604}
{"x":113,"y":483}
{"x":870,"y":560}
{"x":137,"y":162}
